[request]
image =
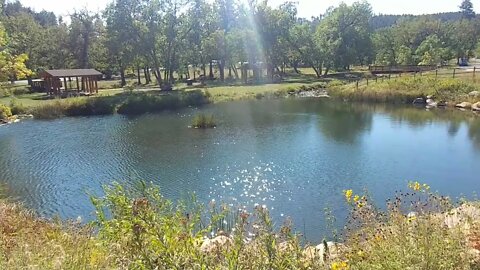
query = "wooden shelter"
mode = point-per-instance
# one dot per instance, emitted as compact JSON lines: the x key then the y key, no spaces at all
{"x":61,"y":81}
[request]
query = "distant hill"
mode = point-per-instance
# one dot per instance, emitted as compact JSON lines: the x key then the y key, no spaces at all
{"x":383,"y":21}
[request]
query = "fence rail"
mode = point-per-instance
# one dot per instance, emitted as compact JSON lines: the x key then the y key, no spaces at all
{"x":468,"y":74}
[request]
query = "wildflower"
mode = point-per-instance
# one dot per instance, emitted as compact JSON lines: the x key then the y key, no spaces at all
{"x":356,"y":198}
{"x":416,"y":186}
{"x":339,"y":266}
{"x":348,"y":194}
{"x":411,"y":219}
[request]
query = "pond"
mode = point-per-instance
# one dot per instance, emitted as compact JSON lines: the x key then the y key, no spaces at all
{"x":295,"y":156}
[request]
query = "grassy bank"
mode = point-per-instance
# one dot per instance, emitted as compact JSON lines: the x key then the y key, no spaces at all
{"x":406,"y":89}
{"x":128,"y":104}
{"x":142,"y":230}
{"x":145,"y":100}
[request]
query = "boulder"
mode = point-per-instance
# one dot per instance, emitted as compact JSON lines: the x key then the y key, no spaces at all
{"x":218,"y":243}
{"x":476,"y":107}
{"x":420,"y":101}
{"x":462,"y":215}
{"x":431,"y":103}
{"x":442,"y":103}
{"x":464,"y":105}
{"x":474,"y":94}
{"x":332,"y":252}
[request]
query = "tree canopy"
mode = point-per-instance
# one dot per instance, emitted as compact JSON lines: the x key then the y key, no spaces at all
{"x":172,"y":39}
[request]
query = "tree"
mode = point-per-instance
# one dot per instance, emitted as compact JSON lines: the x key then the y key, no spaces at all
{"x":345,"y":34}
{"x":467,"y":9}
{"x":11,"y":66}
{"x":82,"y":34}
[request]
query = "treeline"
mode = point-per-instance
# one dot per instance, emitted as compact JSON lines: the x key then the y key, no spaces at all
{"x":188,"y":38}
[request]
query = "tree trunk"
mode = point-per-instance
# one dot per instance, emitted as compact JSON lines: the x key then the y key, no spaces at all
{"x":122,"y":76}
{"x":221,"y":68}
{"x":139,"y":80}
{"x":211,"y":70}
{"x":146,"y":72}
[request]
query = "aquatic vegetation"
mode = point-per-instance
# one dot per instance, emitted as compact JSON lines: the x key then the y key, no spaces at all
{"x":203,"y":121}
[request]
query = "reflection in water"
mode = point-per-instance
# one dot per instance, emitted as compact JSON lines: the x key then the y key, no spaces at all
{"x":295,"y":156}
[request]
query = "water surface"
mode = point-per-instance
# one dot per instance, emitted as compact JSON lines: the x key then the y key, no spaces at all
{"x":295,"y":156}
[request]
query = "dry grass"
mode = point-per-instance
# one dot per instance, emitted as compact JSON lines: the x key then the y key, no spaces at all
{"x":28,"y":242}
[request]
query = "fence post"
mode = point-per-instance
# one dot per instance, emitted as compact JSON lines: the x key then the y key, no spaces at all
{"x":454,"y":70}
{"x":357,"y":85}
{"x":367,"y":81}
{"x":436,"y":74}
{"x":376,"y":79}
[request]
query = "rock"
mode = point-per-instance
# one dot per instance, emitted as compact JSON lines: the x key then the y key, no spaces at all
{"x":442,"y":103}
{"x":217,"y":243}
{"x":462,"y":215}
{"x":474,"y":94}
{"x":431,"y":103}
{"x":476,"y":107}
{"x":334,"y":250}
{"x":429,"y":97}
{"x":464,"y":105}
{"x":419,"y":101}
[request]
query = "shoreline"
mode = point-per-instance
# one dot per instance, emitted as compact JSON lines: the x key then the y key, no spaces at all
{"x":451,"y":93}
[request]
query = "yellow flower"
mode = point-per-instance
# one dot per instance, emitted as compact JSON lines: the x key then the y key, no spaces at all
{"x":348,"y":194}
{"x":412,"y":218}
{"x":340,"y":266}
{"x":356,"y":198}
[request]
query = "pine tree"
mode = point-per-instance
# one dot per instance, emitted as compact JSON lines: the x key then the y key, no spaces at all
{"x":467,"y":9}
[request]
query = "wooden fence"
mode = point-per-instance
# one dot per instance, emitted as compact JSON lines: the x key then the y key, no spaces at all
{"x":468,"y":74}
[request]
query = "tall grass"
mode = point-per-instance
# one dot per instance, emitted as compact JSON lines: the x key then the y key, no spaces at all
{"x":129,"y":104}
{"x":405,"y":90}
{"x":203,"y":121}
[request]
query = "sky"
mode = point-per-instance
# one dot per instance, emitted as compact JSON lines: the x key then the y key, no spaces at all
{"x":306,"y":8}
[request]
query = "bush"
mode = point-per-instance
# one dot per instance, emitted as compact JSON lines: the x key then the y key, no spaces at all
{"x":93,"y":106}
{"x":145,"y":103}
{"x":17,"y":108}
{"x":203,"y":121}
{"x":5,"y":112}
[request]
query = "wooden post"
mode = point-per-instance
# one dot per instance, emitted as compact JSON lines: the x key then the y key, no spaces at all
{"x":357,"y":84}
{"x":78,"y":85}
{"x":436,"y":73}
{"x":91,"y":85}
{"x":367,"y":81}
{"x":96,"y":85}
{"x":65,"y":84}
{"x":454,"y":70}
{"x":474,"y":71}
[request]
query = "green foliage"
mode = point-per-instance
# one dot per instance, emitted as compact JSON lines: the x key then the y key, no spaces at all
{"x":17,"y":108}
{"x":5,"y":112}
{"x":137,"y":228}
{"x":146,"y":103}
{"x":203,"y":121}
{"x":409,"y":234}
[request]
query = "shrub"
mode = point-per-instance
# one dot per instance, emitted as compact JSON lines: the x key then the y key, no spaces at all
{"x":91,"y":106}
{"x":195,"y":98}
{"x":203,"y":121}
{"x":5,"y":112}
{"x":17,"y":108}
